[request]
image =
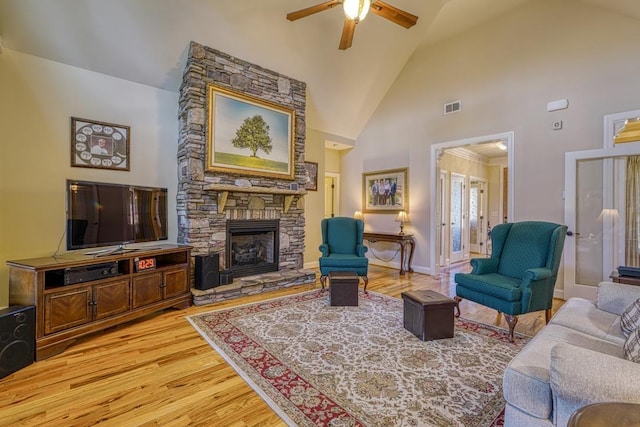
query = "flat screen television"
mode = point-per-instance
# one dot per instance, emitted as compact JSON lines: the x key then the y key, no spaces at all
{"x":102,"y":214}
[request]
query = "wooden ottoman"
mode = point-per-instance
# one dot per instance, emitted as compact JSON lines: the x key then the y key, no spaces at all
{"x":343,"y":288}
{"x":428,"y":314}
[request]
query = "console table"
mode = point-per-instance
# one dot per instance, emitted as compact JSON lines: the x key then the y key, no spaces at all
{"x":627,"y":280}
{"x":403,"y":240}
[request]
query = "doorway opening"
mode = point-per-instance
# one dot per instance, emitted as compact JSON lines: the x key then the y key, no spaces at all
{"x":331,"y":194}
{"x":470,"y":193}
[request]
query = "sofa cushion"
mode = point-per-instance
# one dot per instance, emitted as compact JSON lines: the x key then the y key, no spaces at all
{"x":502,"y":287}
{"x":616,"y":297}
{"x":630,"y":319}
{"x":526,"y":379}
{"x":632,"y":346}
{"x":583,"y":315}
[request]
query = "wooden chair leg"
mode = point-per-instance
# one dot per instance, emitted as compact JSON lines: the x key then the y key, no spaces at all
{"x":457,"y":299}
{"x":323,"y":279}
{"x":366,"y":282}
{"x":498,"y":319}
{"x":547,"y":315}
{"x":511,"y":321}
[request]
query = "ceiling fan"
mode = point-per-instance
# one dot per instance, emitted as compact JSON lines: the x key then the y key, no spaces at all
{"x":355,"y":11}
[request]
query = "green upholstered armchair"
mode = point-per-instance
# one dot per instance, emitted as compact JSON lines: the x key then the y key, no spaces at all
{"x":342,"y":248}
{"x":520,"y":275}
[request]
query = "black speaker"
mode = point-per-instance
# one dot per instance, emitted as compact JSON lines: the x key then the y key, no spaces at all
{"x":17,"y":338}
{"x":207,"y":271}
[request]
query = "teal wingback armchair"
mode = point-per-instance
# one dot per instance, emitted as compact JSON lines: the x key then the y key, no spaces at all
{"x":342,"y":248}
{"x":520,"y":275}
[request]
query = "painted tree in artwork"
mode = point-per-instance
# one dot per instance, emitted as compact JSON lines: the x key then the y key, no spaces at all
{"x":254,"y":135}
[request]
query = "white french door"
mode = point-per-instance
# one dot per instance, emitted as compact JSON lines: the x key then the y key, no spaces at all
{"x":457,"y":197}
{"x":477,"y":216}
{"x":443,"y":213}
{"x":595,"y":210}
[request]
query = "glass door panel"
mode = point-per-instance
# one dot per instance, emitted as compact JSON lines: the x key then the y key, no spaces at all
{"x":457,"y":218}
{"x":597,"y":204}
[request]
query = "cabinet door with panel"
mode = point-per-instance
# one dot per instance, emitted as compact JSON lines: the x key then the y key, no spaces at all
{"x":175,"y":283}
{"x":111,"y":298}
{"x":147,"y":289}
{"x":67,"y":309}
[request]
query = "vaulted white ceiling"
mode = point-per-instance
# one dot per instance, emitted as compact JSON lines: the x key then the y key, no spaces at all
{"x":146,"y":41}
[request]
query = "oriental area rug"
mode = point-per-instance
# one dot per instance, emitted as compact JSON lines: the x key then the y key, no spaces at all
{"x":318,"y":365}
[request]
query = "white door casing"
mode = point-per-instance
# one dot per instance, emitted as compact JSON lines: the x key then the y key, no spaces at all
{"x":508,"y":139}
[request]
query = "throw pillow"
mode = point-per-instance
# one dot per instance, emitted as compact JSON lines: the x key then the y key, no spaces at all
{"x":630,"y":319}
{"x":632,"y":346}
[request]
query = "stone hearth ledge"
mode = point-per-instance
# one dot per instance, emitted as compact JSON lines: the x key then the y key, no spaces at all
{"x":249,"y":285}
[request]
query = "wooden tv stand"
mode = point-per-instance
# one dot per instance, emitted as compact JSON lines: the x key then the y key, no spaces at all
{"x":104,"y":291}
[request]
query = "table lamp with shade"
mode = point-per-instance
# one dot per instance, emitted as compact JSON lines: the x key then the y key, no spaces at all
{"x":358,"y":215}
{"x":402,"y":218}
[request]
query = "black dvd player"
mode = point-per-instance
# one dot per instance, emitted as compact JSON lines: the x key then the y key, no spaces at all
{"x":90,"y":272}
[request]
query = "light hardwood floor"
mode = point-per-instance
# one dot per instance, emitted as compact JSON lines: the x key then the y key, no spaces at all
{"x":159,"y":371}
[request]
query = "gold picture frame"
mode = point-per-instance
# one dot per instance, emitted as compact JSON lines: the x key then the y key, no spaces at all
{"x":240,"y":127}
{"x":99,"y":145}
{"x":385,"y":191}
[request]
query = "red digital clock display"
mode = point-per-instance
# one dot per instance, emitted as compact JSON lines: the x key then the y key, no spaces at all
{"x":145,"y":264}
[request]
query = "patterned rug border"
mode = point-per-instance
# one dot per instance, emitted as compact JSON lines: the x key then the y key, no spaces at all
{"x":499,"y":334}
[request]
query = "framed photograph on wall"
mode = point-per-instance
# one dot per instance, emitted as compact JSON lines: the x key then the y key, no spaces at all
{"x":385,"y":191}
{"x":99,"y":145}
{"x":249,"y":135}
{"x":311,"y":176}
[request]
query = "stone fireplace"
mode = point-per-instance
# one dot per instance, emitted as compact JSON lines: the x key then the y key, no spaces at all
{"x":209,"y":201}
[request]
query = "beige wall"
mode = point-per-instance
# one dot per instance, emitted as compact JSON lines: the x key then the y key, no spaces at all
{"x":38,"y":99}
{"x":504,"y":72}
{"x":332,"y":160}
{"x":453,"y":163}
{"x":329,"y":160}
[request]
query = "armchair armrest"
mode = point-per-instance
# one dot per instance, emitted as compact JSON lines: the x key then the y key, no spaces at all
{"x":484,"y":265}
{"x":616,"y":297}
{"x":324,"y":248}
{"x":361,"y":250}
{"x":579,"y":377}
{"x":533,"y":274}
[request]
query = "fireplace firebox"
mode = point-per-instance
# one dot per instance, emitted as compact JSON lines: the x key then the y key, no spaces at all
{"x":252,"y":246}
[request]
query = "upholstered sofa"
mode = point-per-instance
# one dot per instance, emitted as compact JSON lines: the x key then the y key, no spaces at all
{"x":575,"y":360}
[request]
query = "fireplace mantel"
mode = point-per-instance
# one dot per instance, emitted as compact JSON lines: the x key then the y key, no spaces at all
{"x":224,"y":190}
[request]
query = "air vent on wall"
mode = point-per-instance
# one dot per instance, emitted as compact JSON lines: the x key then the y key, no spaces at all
{"x":452,"y":107}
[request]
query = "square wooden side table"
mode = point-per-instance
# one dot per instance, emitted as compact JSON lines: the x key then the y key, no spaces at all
{"x":343,"y":288}
{"x":428,"y":314}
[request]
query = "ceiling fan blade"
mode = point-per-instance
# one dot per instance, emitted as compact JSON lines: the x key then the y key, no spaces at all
{"x":311,"y":10}
{"x":393,"y":14}
{"x":348,"y":31}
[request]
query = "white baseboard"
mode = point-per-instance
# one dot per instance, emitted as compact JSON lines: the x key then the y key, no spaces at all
{"x":396,"y":266}
{"x":558,"y":293}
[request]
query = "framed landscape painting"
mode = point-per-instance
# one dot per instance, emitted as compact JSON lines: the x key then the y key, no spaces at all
{"x":248,"y":135}
{"x":385,"y":191}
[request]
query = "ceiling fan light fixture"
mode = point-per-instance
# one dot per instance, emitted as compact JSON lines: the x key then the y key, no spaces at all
{"x":356,"y":10}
